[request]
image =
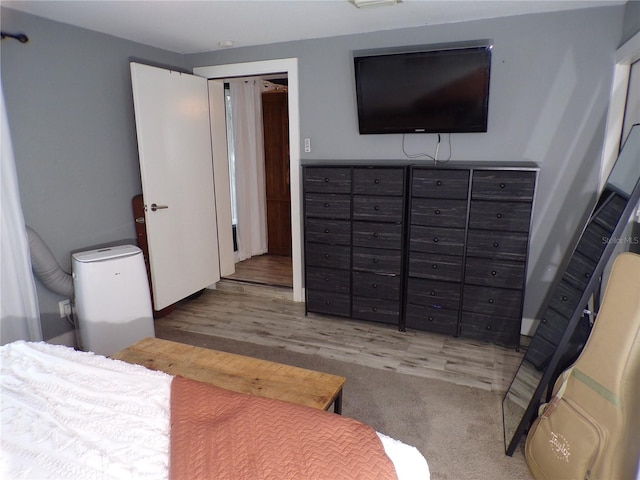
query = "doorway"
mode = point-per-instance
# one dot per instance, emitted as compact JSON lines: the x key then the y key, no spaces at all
{"x":258,"y":151}
{"x":290,"y":67}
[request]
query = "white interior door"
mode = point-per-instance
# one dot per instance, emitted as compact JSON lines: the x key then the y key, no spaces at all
{"x":175,"y":153}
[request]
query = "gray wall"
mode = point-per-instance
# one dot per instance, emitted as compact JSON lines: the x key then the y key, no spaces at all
{"x":631,"y":20}
{"x":550,"y":85}
{"x":70,"y":110}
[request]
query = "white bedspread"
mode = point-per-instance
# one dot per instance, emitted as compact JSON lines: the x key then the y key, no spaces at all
{"x":76,"y":415}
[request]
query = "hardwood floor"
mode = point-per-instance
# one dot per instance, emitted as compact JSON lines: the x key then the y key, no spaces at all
{"x":265,"y":269}
{"x":267,"y":316}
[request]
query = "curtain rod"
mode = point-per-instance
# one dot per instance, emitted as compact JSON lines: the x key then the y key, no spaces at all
{"x":21,"y":37}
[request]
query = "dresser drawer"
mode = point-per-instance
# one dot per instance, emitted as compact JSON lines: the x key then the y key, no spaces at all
{"x":366,"y":284}
{"x":552,"y":326}
{"x":610,"y":214}
{"x":327,"y":179}
{"x":328,"y":256}
{"x":377,"y":260}
{"x":494,"y":273}
{"x":329,"y":303}
{"x":328,"y":280}
{"x":514,"y":217}
{"x":376,"y":310}
{"x":593,"y":241}
{"x":540,"y":351}
{"x":499,"y":245}
{"x":438,"y":212}
{"x":445,"y":241}
{"x":565,"y":299}
{"x":433,"y":293}
{"x":333,"y":232}
{"x":505,"y":331}
{"x":503,"y":185}
{"x":437,"y":183}
{"x":492,"y":301}
{"x":378,"y":181}
{"x":378,"y":208}
{"x":435,"y":267}
{"x":431,"y":319}
{"x":377,"y":235}
{"x":328,"y":205}
{"x":579,"y":271}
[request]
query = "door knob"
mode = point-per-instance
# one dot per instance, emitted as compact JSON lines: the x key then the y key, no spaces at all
{"x":155,"y":207}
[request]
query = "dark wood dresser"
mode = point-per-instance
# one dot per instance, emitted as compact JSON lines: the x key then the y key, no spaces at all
{"x":442,"y":249}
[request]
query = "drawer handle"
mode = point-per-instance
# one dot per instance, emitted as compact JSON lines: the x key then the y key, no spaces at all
{"x":375,"y":260}
{"x":326,"y":255}
{"x":439,"y":183}
{"x":491,"y":301}
{"x":376,"y":208}
{"x":326,"y":279}
{"x":327,"y":302}
{"x":433,"y":293}
{"x":496,"y":244}
{"x":587,"y":275}
{"x":437,"y":212}
{"x":544,"y":320}
{"x":434,"y":266}
{"x":430,"y":318}
{"x":326,"y":230}
{"x":436,"y":240}
{"x":326,"y":205}
{"x":375,"y":234}
{"x":494,"y":273}
{"x":326,"y":180}
{"x":502,"y":185}
{"x":499,"y":215}
{"x":376,"y":181}
{"x":374,"y":285}
{"x":488,"y":327}
{"x":565,"y":298}
{"x":374,"y":309}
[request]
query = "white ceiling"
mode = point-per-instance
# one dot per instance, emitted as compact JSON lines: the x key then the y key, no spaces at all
{"x":198,"y":26}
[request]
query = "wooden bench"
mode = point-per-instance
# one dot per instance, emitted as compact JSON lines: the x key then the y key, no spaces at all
{"x":238,"y":372}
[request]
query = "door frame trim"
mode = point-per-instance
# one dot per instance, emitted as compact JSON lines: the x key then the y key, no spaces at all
{"x":290,"y":67}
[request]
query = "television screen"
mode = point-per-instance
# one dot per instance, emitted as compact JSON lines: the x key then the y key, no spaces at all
{"x":437,"y":91}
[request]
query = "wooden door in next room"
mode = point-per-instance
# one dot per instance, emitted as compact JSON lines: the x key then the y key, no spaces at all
{"x":278,"y":192}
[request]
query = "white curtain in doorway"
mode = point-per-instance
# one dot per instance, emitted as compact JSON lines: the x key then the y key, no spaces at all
{"x":20,"y":316}
{"x":246,"y":107}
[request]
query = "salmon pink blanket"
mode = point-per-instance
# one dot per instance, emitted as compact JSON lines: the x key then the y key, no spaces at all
{"x":216,"y":433}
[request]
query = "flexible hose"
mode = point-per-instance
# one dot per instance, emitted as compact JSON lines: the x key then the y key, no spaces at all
{"x":46,"y":267}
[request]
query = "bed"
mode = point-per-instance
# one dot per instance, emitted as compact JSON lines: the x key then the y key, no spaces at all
{"x":68,"y":414}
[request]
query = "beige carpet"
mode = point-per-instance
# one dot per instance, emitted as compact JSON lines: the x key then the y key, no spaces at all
{"x":458,"y":429}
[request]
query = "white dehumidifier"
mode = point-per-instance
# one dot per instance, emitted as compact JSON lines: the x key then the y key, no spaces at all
{"x":112,"y":299}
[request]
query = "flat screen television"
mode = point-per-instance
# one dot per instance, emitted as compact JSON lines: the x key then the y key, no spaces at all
{"x":432,"y":91}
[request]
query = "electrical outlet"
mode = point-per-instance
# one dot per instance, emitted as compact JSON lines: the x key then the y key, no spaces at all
{"x":64,"y":306}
